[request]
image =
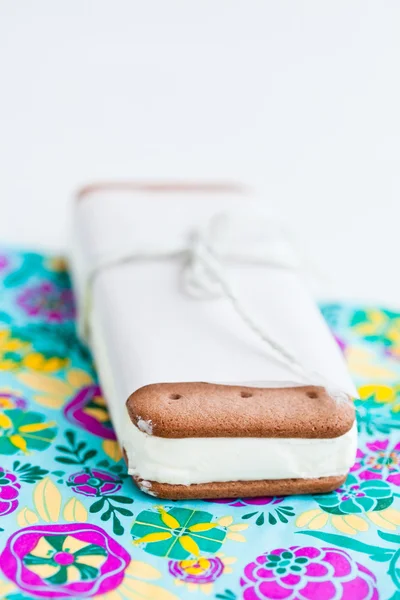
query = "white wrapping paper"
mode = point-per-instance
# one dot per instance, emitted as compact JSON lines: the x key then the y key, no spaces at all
{"x":144,"y":328}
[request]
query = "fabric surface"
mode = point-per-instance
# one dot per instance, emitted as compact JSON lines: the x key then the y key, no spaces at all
{"x":73,"y":525}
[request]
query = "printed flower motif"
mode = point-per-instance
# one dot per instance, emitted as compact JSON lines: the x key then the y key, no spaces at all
{"x":94,"y":482}
{"x":3,"y":262}
{"x":273,"y":515}
{"x":9,"y":491}
{"x":112,"y":449}
{"x":378,"y":326}
{"x":12,"y":350}
{"x":88,"y":409}
{"x":49,"y":302}
{"x":307,"y":572}
{"x":11,"y":400}
{"x":36,"y":361}
{"x":55,"y":391}
{"x":27,"y":264}
{"x":25,"y":430}
{"x":378,"y":408}
{"x":49,"y":342}
{"x":48,"y":506}
{"x":180,"y":532}
{"x":365,"y":362}
{"x":17,"y":351}
{"x":199,"y":574}
{"x":138,"y":585}
{"x":348,"y":507}
{"x":352,"y":524}
{"x":73,"y":560}
{"x":10,"y":484}
{"x":355,"y":497}
{"x":381,"y":395}
{"x":382,"y":462}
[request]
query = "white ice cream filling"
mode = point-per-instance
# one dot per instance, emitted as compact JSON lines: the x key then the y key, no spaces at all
{"x":201,"y":460}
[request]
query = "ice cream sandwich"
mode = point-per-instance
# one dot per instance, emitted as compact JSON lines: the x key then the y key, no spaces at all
{"x":221,"y":376}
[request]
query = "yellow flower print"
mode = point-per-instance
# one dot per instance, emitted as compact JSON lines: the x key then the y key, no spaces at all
{"x":47,"y":499}
{"x":381,"y":394}
{"x":25,"y":430}
{"x":38,"y":362}
{"x":386,"y":519}
{"x":10,"y":350}
{"x":48,"y":505}
{"x":82,"y":556}
{"x":11,"y":399}
{"x":6,"y":401}
{"x":378,"y":408}
{"x":233,"y":529}
{"x":381,"y":326}
{"x":366,"y":363}
{"x":393,"y":334}
{"x":375,"y":322}
{"x":183,"y":533}
{"x":199,"y":574}
{"x":26,"y":516}
{"x":137,"y":585}
{"x":53,"y":391}
{"x":7,"y":587}
{"x":316,"y":519}
{"x":16,"y":353}
{"x":74,"y":511}
{"x":112,"y":449}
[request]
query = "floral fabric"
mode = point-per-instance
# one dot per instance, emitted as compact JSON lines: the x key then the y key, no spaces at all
{"x":73,"y":525}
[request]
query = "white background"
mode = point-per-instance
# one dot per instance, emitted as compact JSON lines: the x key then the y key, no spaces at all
{"x":300,"y":99}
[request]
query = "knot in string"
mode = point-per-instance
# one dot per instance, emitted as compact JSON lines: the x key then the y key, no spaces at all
{"x":225,"y":239}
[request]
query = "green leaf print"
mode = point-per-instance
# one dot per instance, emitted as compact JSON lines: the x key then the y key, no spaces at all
{"x":178,"y":532}
{"x":25,"y":431}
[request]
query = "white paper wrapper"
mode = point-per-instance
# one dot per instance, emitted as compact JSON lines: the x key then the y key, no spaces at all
{"x":145,"y":328}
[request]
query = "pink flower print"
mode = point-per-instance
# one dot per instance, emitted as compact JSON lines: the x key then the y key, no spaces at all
{"x":9,"y":491}
{"x":94,"y":482}
{"x":48,"y":302}
{"x":74,"y":560}
{"x":307,"y":572}
{"x":11,"y":400}
{"x":3,"y":262}
{"x":199,"y":570}
{"x":350,"y":492}
{"x":88,"y":409}
{"x":381,"y":461}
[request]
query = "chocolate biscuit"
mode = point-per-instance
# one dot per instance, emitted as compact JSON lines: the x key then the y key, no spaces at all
{"x":241,"y":489}
{"x":203,"y":410}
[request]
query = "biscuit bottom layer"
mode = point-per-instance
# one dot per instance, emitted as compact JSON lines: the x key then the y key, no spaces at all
{"x":189,"y":461}
{"x":241,"y":489}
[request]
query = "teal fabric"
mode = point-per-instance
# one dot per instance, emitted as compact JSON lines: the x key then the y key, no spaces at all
{"x":73,"y":525}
